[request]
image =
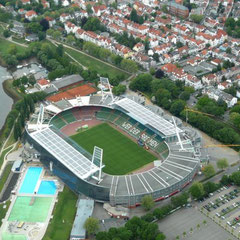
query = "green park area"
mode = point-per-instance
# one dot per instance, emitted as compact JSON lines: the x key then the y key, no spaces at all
{"x":120,"y":154}
{"x":6,"y":45}
{"x":93,"y":63}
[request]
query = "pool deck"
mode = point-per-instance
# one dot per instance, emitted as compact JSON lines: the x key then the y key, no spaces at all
{"x":32,"y":231}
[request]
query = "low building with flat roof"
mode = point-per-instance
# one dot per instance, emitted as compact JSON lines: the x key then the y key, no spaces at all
{"x":84,"y":211}
{"x":67,"y":81}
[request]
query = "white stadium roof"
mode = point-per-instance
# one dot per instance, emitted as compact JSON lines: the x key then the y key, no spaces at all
{"x":146,"y":116}
{"x":65,"y":153}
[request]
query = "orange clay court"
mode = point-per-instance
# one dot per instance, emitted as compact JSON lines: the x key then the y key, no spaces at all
{"x":83,"y":90}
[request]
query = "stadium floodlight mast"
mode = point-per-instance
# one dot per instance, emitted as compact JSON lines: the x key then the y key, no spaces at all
{"x":97,"y":161}
{"x":180,"y":142}
{"x":105,"y":82}
{"x":40,"y":117}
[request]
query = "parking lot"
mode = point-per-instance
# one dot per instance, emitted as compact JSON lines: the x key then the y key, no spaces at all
{"x":223,"y":207}
{"x":194,"y":224}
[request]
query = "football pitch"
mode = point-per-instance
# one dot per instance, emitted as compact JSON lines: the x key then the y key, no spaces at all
{"x":120,"y":154}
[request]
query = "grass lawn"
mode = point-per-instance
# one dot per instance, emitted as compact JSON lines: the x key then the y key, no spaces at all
{"x":3,"y":211}
{"x":63,"y":216}
{"x":120,"y":154}
{"x":5,"y":175}
{"x":3,"y":155}
{"x":100,"y":67}
{"x":4,"y":46}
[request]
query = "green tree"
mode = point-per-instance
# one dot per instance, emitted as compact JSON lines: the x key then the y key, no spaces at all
{"x":152,"y":71}
{"x":209,"y":170}
{"x":196,"y":18}
{"x":210,"y":187}
{"x":141,"y":83}
{"x":89,"y":9}
{"x":12,"y":49}
{"x":235,"y":118}
{"x":118,"y":90}
{"x":235,"y":177}
{"x":17,"y":130}
{"x":147,"y":202}
{"x":70,"y":39}
{"x":197,"y":190}
{"x":56,"y":35}
{"x":129,"y":65}
{"x":177,"y":107}
{"x":60,"y":50}
{"x":164,"y":8}
{"x":6,"y":33}
{"x":229,"y":50}
{"x":222,"y":163}
{"x":91,"y":225}
{"x":225,"y":180}
{"x":180,"y":200}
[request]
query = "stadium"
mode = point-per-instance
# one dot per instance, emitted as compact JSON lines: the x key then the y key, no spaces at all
{"x":114,"y":150}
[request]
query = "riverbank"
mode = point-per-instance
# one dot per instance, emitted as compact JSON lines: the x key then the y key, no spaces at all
{"x":10,"y":91}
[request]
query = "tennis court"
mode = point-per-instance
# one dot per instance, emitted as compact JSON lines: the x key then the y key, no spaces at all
{"x":27,"y":210}
{"x":8,"y":236}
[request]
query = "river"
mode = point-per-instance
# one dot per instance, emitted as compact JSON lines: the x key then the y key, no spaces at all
{"x":5,"y":101}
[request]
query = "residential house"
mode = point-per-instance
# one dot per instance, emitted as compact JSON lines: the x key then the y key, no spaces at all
{"x":217,"y":94}
{"x":210,"y":79}
{"x":30,"y":15}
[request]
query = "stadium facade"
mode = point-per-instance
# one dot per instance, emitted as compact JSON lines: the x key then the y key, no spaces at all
{"x":177,"y":149}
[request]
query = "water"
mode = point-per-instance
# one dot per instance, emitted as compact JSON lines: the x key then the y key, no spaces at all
{"x":47,"y":187}
{"x":5,"y":101}
{"x":30,"y":180}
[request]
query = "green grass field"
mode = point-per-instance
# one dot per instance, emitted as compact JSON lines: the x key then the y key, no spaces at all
{"x":120,"y":154}
{"x":100,"y":67}
{"x":4,"y":46}
{"x":5,"y":175}
{"x":37,"y":212}
{"x":63,"y":216}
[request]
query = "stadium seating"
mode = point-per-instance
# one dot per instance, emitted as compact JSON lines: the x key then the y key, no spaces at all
{"x":77,"y":113}
{"x":162,"y":147}
{"x":68,"y":116}
{"x":165,"y":154}
{"x":112,"y":117}
{"x":121,"y":120}
{"x":103,"y":115}
{"x":58,"y":122}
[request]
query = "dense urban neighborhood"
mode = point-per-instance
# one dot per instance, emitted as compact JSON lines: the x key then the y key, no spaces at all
{"x":120,"y":120}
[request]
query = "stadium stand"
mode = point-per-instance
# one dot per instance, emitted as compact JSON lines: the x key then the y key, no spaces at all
{"x":68,"y":116}
{"x":58,"y":122}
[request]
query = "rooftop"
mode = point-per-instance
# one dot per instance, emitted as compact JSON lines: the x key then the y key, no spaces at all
{"x":84,"y":211}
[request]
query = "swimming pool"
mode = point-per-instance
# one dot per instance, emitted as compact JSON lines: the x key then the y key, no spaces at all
{"x":47,"y":187}
{"x":30,"y":180}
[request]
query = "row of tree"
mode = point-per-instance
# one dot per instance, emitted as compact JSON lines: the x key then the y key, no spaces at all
{"x":20,"y":113}
{"x":107,"y":56}
{"x":166,"y":93}
{"x":200,"y":190}
{"x":135,"y":229}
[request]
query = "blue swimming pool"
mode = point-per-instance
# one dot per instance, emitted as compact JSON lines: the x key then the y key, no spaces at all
{"x":30,"y":180}
{"x":47,"y":187}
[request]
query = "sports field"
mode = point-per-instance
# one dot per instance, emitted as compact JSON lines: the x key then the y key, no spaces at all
{"x":120,"y":154}
{"x":24,"y":211}
{"x":8,"y":236}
